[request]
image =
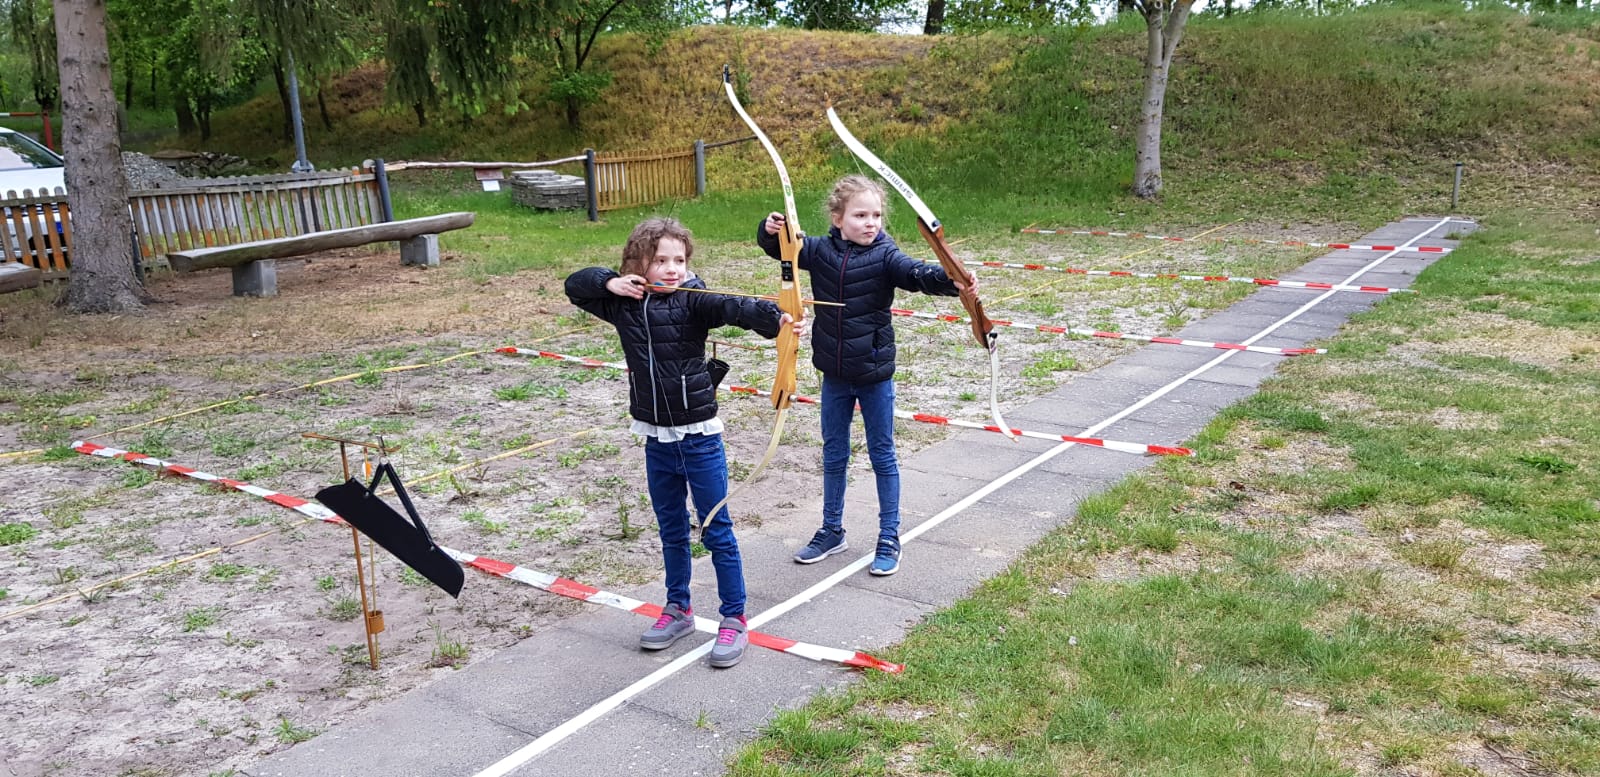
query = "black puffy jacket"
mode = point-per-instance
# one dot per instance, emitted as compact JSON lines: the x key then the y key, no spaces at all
{"x":664,"y":338}
{"x":855,"y":343}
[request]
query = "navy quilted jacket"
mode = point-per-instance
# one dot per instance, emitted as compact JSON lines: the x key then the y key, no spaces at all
{"x":664,"y":337}
{"x":855,"y":343}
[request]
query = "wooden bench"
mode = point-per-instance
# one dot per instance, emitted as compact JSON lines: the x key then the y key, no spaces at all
{"x":255,"y":267}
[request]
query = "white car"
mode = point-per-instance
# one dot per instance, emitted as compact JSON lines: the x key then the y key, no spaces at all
{"x":26,"y":167}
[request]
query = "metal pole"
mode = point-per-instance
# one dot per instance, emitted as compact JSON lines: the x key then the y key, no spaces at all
{"x":593,"y":187}
{"x":385,"y":205}
{"x":699,"y":168}
{"x":1455,"y":192}
{"x":301,"y":165}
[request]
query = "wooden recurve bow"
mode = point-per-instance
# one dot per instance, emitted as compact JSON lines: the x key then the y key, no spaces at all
{"x":932,"y":231}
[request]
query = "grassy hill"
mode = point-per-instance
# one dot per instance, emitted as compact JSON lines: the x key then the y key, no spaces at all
{"x":1365,"y":111}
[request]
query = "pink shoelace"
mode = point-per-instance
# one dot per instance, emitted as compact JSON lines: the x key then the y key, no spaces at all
{"x":727,"y":636}
{"x":664,"y":621}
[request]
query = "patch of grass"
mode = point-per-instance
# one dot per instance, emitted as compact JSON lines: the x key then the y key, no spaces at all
{"x":328,"y":583}
{"x":344,"y":608}
{"x":1158,"y":537}
{"x":289,"y":733}
{"x":592,"y":451}
{"x":530,"y":390}
{"x":138,"y":477}
{"x":1047,"y":365}
{"x":16,"y":533}
{"x":1437,"y":555}
{"x":201,"y":618}
{"x":478,"y":520}
{"x":447,"y":651}
{"x":227,"y":572}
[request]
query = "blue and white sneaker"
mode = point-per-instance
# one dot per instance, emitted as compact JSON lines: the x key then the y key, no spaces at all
{"x":887,"y":561}
{"x":824,"y":543}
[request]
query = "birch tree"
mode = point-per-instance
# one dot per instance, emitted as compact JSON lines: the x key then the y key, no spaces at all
{"x":1163,"y":22}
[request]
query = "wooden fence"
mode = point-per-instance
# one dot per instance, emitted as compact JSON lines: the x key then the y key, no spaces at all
{"x":37,"y":231}
{"x":642,"y":179}
{"x":200,"y":213}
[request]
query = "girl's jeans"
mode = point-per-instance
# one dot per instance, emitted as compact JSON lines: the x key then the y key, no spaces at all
{"x":696,"y":464}
{"x":839,"y":400}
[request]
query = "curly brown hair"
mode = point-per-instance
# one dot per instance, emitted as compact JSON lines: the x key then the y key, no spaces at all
{"x":641,"y":246}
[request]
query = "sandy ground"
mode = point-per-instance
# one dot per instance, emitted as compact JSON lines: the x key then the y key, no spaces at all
{"x":205,"y":665}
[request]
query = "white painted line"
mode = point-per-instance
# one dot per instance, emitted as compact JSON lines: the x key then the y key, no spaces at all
{"x":553,"y":737}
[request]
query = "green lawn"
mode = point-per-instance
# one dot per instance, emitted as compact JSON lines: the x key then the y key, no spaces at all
{"x":1384,"y":562}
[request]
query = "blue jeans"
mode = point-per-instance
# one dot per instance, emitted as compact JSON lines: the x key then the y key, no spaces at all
{"x":696,"y":464}
{"x":839,"y":400}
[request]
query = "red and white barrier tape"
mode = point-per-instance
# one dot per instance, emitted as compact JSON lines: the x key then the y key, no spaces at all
{"x":1064,"y":330}
{"x":1212,"y":278}
{"x":540,"y":580}
{"x":581,"y":592}
{"x":301,"y":506}
{"x":1290,"y":243}
{"x":1114,"y":445}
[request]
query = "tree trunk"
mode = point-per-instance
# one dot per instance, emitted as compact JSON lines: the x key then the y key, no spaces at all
{"x":322,"y":105}
{"x":422,"y":113}
{"x":180,"y":106}
{"x":203,"y":114}
{"x":283,"y":100}
{"x":934,"y":24}
{"x":572,"y":114}
{"x":1163,"y":30}
{"x":105,"y":278}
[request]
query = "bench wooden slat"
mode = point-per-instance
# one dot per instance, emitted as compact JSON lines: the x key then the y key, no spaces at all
{"x":277,"y":248}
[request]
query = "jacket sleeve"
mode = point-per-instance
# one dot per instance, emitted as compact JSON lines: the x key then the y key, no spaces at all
{"x":769,"y":244}
{"x":587,"y":289}
{"x":916,"y":275}
{"x":757,"y":315}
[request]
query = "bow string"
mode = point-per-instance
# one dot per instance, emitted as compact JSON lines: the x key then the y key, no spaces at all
{"x":932,"y":231}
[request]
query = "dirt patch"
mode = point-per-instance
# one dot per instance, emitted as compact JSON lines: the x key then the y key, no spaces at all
{"x":208,"y":665}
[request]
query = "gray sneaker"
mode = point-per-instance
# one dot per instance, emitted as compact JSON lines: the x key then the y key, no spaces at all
{"x":731,"y":641}
{"x":672,"y":625}
{"x":824,"y":543}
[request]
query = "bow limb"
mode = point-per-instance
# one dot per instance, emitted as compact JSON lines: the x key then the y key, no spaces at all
{"x":933,"y":232}
{"x":789,"y":243}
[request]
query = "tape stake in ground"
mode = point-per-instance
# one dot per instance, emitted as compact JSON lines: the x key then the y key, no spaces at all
{"x":1289,"y":243}
{"x":540,"y":580}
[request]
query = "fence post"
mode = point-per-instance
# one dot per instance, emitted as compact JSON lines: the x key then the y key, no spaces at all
{"x":699,"y":168}
{"x":1455,"y":191}
{"x":593,"y":187}
{"x":385,"y":205}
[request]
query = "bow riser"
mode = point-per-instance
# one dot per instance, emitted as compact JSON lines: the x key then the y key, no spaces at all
{"x":982,"y":327}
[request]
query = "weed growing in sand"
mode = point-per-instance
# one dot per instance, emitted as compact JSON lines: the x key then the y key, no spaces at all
{"x":345,"y":608}
{"x":201,"y":618}
{"x":289,"y":733}
{"x":447,"y":651}
{"x":16,"y":533}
